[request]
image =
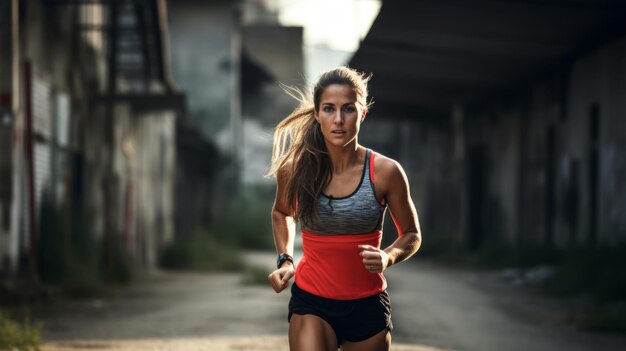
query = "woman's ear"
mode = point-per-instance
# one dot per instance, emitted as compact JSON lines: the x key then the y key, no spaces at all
{"x":363,"y":115}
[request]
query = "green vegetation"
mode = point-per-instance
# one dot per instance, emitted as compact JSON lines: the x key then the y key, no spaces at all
{"x":202,"y":251}
{"x":595,"y":276}
{"x":493,"y":254}
{"x":70,"y":256}
{"x":603,"y":317}
{"x":15,"y":336}
{"x":598,"y":273}
{"x":245,"y":219}
{"x":52,"y":241}
{"x":255,"y":275}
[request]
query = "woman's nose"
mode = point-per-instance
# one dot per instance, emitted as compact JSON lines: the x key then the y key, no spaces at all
{"x":338,"y":118}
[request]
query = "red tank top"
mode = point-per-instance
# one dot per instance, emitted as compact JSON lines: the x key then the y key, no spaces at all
{"x":332,"y":266}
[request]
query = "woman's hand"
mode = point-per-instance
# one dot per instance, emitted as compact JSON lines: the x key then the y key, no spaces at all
{"x":375,"y":260}
{"x":280,"y":277}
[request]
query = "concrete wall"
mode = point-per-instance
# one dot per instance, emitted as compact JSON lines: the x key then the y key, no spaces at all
{"x":145,"y":169}
{"x":70,"y":150}
{"x":94,"y":160}
{"x":435,"y":177}
{"x":6,"y":129}
{"x":539,"y":167}
{"x":599,"y":78}
{"x":143,"y":183}
{"x":493,"y":144}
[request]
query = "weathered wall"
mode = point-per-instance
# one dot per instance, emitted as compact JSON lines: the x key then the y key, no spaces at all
{"x":553,"y":148}
{"x":493,"y":143}
{"x":145,"y":168}
{"x":599,"y":79}
{"x":70,"y":150}
{"x":6,"y":129}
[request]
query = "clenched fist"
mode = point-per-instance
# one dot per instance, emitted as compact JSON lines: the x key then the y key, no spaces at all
{"x":280,"y":277}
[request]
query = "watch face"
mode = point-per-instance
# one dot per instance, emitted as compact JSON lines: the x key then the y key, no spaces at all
{"x":282,"y":258}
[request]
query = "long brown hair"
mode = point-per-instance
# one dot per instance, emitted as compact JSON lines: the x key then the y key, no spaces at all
{"x":299,"y":152}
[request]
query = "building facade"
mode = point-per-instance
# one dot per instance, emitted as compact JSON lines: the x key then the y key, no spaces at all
{"x":509,"y":118}
{"x":89,"y":120}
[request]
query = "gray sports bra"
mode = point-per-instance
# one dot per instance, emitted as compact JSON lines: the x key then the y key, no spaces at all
{"x":357,"y":213}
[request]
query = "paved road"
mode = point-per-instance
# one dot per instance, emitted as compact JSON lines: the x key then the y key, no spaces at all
{"x":172,"y":305}
{"x":469,"y":311}
{"x":434,"y":309}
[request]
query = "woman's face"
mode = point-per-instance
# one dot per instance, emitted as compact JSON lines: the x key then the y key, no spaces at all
{"x":339,"y":115}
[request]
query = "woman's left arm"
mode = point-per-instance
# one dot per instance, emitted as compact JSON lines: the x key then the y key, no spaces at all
{"x":395,"y":187}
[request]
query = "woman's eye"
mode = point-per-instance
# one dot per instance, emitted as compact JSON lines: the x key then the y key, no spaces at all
{"x":328,"y":109}
{"x":348,"y":109}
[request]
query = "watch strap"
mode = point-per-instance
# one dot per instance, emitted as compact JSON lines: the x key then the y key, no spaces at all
{"x":282,"y":258}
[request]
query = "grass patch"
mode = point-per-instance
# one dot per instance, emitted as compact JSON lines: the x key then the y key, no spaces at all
{"x":70,"y":257}
{"x":254,"y":275}
{"x":16,"y":336}
{"x":83,"y":282}
{"x":491,"y":255}
{"x":495,"y":256}
{"x":201,"y":252}
{"x":595,"y":276}
{"x":598,"y":273}
{"x":245,"y":218}
{"x":594,"y":272}
{"x":606,"y":317}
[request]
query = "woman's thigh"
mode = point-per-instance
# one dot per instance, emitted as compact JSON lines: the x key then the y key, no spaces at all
{"x":311,"y":333}
{"x":378,"y":342}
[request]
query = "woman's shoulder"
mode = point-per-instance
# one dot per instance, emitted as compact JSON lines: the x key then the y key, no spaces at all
{"x":389,"y":175}
{"x":386,"y":167}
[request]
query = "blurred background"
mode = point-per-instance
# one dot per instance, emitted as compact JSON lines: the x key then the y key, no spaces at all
{"x":135,"y":136}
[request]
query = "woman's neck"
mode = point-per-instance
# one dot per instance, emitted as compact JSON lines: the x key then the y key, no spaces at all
{"x":343,"y":158}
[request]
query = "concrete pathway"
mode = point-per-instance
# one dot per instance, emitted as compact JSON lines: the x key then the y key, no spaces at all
{"x":475,"y":311}
{"x":254,"y":343}
{"x":434,"y":309}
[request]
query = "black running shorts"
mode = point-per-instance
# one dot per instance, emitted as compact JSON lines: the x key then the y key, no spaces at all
{"x":352,"y":320}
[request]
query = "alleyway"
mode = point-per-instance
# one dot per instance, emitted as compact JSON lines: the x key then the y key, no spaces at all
{"x":434,"y":309}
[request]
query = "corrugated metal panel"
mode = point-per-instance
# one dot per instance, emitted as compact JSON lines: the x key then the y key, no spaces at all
{"x":42,"y":109}
{"x":59,"y":155}
{"x":42,"y":172}
{"x":42,"y":126}
{"x":61,"y":118}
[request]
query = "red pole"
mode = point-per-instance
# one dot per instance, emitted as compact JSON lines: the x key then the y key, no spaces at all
{"x":30,"y":173}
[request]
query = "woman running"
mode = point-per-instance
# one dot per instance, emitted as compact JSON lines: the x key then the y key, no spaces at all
{"x":338,"y":190}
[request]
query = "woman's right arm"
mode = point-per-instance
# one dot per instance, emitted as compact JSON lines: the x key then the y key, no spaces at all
{"x":284,"y":228}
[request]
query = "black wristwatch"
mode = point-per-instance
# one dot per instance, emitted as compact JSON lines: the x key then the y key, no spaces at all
{"x":282,"y":258}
